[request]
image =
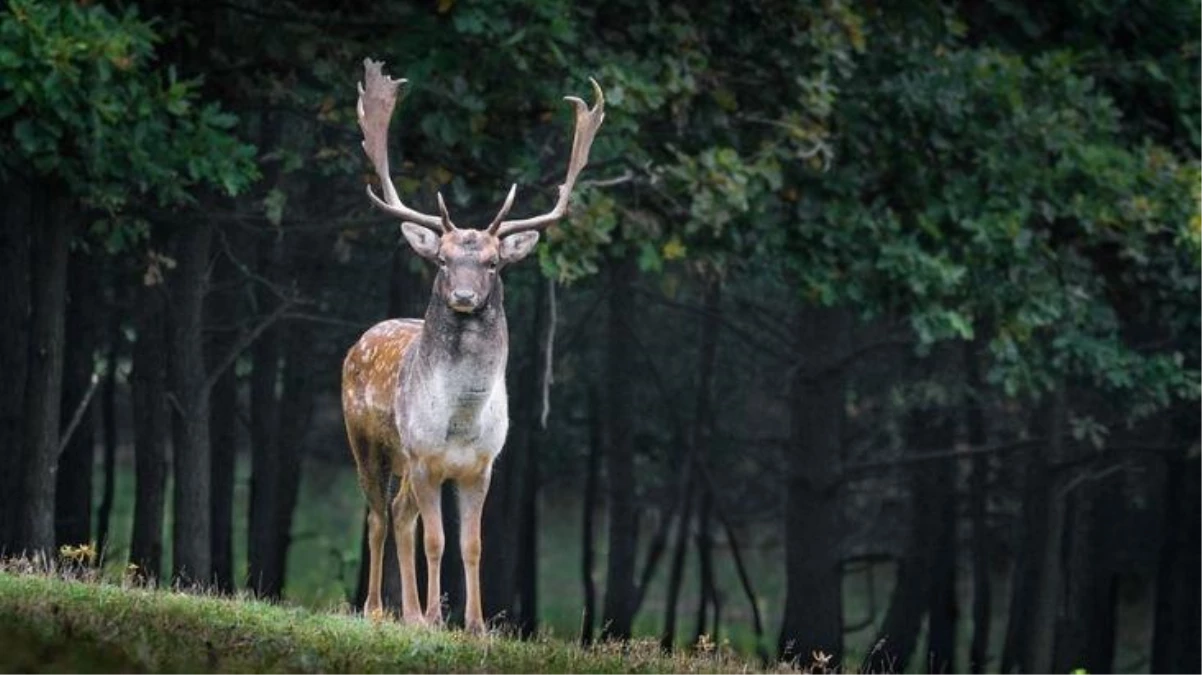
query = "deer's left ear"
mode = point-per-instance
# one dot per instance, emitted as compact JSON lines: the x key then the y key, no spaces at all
{"x":517,"y":246}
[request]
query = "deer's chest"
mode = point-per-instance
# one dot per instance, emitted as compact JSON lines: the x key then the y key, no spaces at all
{"x":457,"y":414}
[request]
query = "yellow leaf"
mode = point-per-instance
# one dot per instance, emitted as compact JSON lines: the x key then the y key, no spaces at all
{"x":444,"y":6}
{"x":673,"y":249}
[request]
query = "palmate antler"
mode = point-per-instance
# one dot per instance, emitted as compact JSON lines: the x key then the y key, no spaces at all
{"x":588,"y":121}
{"x":377,"y":99}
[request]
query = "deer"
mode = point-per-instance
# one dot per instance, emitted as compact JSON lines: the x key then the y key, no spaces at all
{"x":424,"y":400}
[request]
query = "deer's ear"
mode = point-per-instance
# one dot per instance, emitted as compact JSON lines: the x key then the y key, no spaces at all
{"x":422,"y":240}
{"x":517,"y":246}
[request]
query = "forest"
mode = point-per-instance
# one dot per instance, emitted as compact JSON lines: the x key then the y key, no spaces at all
{"x":871,"y":339}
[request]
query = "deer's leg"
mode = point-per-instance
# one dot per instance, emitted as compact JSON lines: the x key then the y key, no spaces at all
{"x":472,"y":492}
{"x":404,"y":526}
{"x":377,"y":521}
{"x":428,"y":491}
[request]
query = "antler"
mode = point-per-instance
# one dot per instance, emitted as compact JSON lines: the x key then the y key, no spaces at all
{"x":587,"y":122}
{"x":377,"y":98}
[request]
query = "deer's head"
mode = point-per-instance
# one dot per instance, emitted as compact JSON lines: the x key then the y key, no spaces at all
{"x":469,"y":260}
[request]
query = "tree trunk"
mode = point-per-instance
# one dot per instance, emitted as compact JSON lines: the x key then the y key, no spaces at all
{"x":679,"y":551}
{"x":223,"y":418}
{"x":1050,"y":582}
{"x":703,"y":426}
{"x":108,"y":403}
{"x":942,"y":607}
{"x":295,"y":413}
{"x":1016,"y":646}
{"x":526,"y":572}
{"x":705,"y":568}
{"x":152,"y":432}
{"x":43,"y":390}
{"x":813,"y":615}
{"x":925,"y":572}
{"x":1086,"y":620}
{"x":264,"y":426}
{"x":224,"y":421}
{"x":1176,"y":623}
{"x":191,"y":541}
{"x":617,"y":612}
{"x":14,"y":353}
{"x":73,"y":492}
{"x":978,"y":499}
{"x":589,"y":508}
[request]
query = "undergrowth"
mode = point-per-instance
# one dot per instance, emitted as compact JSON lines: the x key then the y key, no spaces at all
{"x":56,"y":618}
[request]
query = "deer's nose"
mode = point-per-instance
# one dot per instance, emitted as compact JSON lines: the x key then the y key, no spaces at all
{"x":463,"y":298}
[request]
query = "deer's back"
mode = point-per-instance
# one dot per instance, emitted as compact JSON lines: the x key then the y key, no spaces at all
{"x":369,"y":380}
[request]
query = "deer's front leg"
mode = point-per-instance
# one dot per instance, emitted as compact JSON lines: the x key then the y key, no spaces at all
{"x":404,"y":525}
{"x":428,"y":491}
{"x":472,"y":492}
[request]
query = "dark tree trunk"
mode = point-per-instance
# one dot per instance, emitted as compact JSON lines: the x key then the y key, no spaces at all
{"x":1086,"y":619}
{"x":152,"y":432}
{"x":191,"y":541}
{"x":43,"y":389}
{"x":1176,"y":624}
{"x":527,"y":554}
{"x":108,"y":403}
{"x":1049,"y":589}
{"x":526,"y":572}
{"x":978,"y":499}
{"x":942,"y":608}
{"x":813,"y":615}
{"x":296,"y":411}
{"x":589,"y":508}
{"x":264,"y":426}
{"x":705,"y":569}
{"x":73,"y":492}
{"x":679,"y":552}
{"x":14,"y":353}
{"x":703,"y":426}
{"x":925,"y":572}
{"x":1015,"y":649}
{"x":617,"y":612}
{"x":223,"y":418}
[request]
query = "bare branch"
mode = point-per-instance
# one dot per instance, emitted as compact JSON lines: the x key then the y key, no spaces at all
{"x":78,"y":415}
{"x":245,"y":340}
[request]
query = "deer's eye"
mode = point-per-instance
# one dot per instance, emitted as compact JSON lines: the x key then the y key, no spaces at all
{"x":492,"y":264}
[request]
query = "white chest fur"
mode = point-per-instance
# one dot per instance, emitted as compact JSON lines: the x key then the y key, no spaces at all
{"x":455,"y":415}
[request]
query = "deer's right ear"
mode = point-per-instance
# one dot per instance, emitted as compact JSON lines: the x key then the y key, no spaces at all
{"x":421,"y":239}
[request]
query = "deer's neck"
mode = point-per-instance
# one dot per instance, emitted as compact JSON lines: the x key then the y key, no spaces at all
{"x":474,"y":346}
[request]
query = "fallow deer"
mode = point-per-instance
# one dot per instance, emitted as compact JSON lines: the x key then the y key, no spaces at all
{"x":424,"y":401}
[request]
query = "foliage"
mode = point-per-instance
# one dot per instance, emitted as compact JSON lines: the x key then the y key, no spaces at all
{"x":82,"y":100}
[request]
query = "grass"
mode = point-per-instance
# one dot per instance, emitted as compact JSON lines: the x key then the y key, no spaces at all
{"x":53,"y":623}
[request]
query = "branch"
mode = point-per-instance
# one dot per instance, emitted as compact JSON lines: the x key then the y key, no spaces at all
{"x":734,"y":328}
{"x":78,"y":416}
{"x":935,"y":456}
{"x":245,"y":341}
{"x":548,"y":354}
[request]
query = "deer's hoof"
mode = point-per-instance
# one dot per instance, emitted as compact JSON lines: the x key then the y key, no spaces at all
{"x":414,"y":620}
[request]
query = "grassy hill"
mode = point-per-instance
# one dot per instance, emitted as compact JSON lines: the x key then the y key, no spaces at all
{"x":56,"y":624}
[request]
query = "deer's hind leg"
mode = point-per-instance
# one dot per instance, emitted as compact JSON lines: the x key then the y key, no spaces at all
{"x":404,"y":527}
{"x":374,"y":481}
